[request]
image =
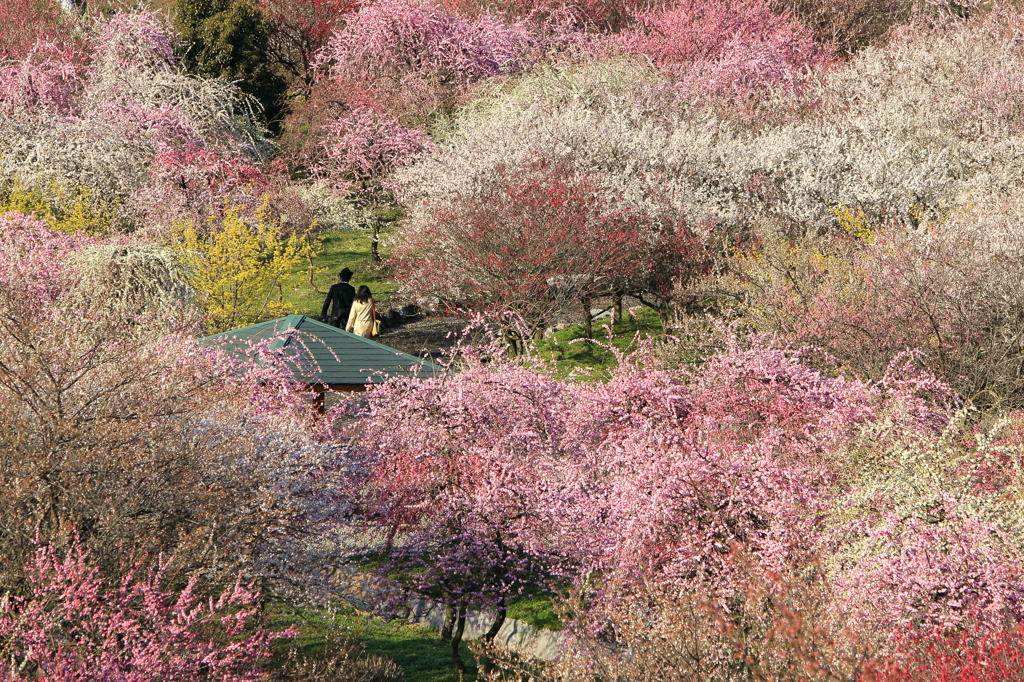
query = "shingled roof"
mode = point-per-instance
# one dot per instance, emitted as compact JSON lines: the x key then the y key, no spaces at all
{"x":341,"y":358}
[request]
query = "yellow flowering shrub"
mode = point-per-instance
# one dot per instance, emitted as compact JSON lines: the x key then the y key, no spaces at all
{"x":855,"y":222}
{"x":74,"y":211}
{"x":238,"y":266}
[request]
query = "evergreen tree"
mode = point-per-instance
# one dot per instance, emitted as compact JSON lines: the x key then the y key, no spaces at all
{"x":231,"y":39}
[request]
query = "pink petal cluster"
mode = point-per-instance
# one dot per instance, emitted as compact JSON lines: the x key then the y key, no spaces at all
{"x":724,"y":48}
{"x":500,"y":477}
{"x":75,"y":626}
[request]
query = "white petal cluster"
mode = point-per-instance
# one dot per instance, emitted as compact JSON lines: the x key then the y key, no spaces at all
{"x":127,"y":103}
{"x":908,"y":131}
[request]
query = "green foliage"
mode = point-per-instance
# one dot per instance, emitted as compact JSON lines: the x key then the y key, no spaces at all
{"x":230,"y":39}
{"x":535,"y":610}
{"x":570,"y":352}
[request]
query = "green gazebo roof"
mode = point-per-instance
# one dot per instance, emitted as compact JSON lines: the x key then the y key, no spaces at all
{"x":341,"y":358}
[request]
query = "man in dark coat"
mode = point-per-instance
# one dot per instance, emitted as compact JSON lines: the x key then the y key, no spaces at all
{"x":340,"y":296}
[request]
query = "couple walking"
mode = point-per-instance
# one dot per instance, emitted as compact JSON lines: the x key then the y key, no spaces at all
{"x":355,"y":308}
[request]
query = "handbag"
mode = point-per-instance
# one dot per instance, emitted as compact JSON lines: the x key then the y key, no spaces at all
{"x":375,"y":326}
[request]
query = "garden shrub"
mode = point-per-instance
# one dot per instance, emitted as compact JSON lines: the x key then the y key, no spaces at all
{"x":948,"y":291}
{"x":238,"y":266}
{"x":119,"y":430}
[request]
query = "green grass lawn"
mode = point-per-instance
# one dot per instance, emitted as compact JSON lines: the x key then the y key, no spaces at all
{"x":535,"y":610}
{"x":570,"y":352}
{"x":337,"y":250}
{"x":416,"y":648}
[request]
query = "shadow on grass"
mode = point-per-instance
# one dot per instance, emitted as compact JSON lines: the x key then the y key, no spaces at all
{"x":571,"y":353}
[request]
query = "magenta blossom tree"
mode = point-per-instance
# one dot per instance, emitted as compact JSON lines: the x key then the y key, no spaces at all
{"x":396,"y":68}
{"x":75,"y":626}
{"x":724,"y":50}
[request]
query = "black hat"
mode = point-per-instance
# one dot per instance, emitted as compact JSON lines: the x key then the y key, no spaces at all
{"x":345,"y":275}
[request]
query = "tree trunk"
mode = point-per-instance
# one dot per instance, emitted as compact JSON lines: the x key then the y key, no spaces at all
{"x":488,"y":639}
{"x":588,"y":321}
{"x":617,"y":303}
{"x":312,"y":267}
{"x":375,"y":240}
{"x":499,"y":620}
{"x":516,"y":347}
{"x":449,"y":623}
{"x":460,"y":626}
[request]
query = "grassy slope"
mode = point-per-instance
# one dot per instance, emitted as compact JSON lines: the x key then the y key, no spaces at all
{"x":338,"y":250}
{"x":416,"y":648}
{"x":535,"y":610}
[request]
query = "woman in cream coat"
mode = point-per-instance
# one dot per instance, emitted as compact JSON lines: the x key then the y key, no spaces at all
{"x":361,"y":316}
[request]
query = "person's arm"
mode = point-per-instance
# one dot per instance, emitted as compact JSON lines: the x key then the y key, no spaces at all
{"x":327,"y":303}
{"x":351,"y":317}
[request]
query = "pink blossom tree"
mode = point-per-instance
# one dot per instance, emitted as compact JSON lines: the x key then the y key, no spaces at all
{"x":938,"y":569}
{"x":731,"y":50}
{"x":694,"y":482}
{"x":75,"y":626}
{"x":595,"y":16}
{"x":463,"y":478}
{"x":47,"y":78}
{"x":693,"y":468}
{"x":363,"y":149}
{"x":394,"y":70}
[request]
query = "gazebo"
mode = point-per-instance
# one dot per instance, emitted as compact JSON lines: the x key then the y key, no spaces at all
{"x":322,"y":357}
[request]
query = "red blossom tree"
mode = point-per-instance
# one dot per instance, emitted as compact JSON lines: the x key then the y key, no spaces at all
{"x":27,"y":21}
{"x":301,"y":28}
{"x":538,"y":240}
{"x":965,"y":656}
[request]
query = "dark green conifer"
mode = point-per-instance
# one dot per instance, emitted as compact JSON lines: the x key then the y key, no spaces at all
{"x":231,"y":39}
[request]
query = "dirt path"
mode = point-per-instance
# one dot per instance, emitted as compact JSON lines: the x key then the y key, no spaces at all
{"x":425,"y":338}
